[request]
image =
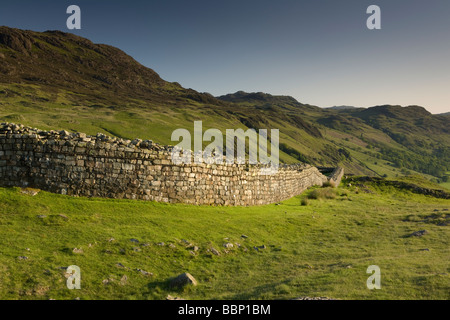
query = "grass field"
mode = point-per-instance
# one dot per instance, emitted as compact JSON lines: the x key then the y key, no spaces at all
{"x":321,"y":249}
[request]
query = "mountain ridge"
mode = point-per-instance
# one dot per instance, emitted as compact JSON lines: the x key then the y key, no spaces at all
{"x":62,"y":59}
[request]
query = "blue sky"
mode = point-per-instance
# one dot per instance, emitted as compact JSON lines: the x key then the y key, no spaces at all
{"x":318,"y":51}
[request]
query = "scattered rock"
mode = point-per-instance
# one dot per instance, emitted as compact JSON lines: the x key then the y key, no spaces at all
{"x":123,"y":280}
{"x":111,"y":239}
{"x":76,"y":250}
{"x":63,"y":216}
{"x":228,"y":245}
{"x":119,"y":265}
{"x":418,"y":233}
{"x":145,"y":273}
{"x":426,"y":249}
{"x":22,"y":258}
{"x":136,"y":249}
{"x":192,"y":252}
{"x":187,"y":243}
{"x":161,"y":244}
{"x":195,"y":248}
{"x":134,"y":240}
{"x":171,"y":245}
{"x":42,"y":216}
{"x":244,"y":236}
{"x":216,"y":252}
{"x":169,"y":297}
{"x":183,"y":280}
{"x":30,"y":192}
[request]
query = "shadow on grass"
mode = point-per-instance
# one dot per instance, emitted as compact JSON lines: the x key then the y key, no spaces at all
{"x":258,"y":291}
{"x":164,"y":287}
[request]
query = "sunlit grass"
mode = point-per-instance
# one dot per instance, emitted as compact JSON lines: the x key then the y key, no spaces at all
{"x":319,"y":249}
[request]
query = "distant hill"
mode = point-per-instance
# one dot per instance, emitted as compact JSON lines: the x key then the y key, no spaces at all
{"x":265,"y":100}
{"x":258,"y":98}
{"x":63,"y":60}
{"x":341,"y":107}
{"x":56,"y":80}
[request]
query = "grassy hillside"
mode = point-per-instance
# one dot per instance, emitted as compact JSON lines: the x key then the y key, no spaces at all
{"x":386,"y":141}
{"x":319,"y":249}
{"x":54,"y":80}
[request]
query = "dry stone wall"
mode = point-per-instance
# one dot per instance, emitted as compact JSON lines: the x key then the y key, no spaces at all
{"x":100,"y":166}
{"x":336,"y":176}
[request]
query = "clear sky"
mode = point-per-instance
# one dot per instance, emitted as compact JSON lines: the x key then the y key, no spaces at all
{"x":318,"y":51}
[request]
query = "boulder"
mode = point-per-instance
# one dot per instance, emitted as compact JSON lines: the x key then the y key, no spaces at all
{"x":183,"y":280}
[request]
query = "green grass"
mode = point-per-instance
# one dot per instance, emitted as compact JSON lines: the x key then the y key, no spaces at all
{"x":420,"y":181}
{"x":323,"y":193}
{"x":321,"y":249}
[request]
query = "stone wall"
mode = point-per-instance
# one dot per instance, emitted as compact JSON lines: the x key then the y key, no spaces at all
{"x":100,"y":166}
{"x":336,"y":176}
